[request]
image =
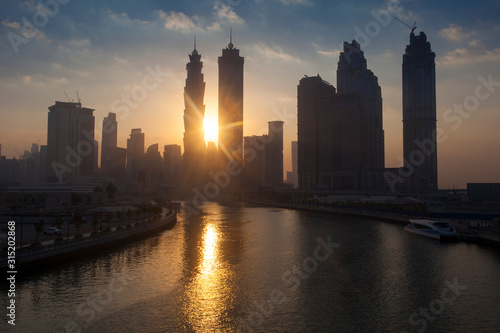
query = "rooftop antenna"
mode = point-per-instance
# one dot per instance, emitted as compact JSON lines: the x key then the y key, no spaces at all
{"x":231,"y":35}
{"x":412,"y":27}
{"x":195,"y":42}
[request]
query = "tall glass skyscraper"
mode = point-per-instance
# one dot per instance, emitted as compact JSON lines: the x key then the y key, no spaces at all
{"x":194,"y":114}
{"x":419,"y":115}
{"x":230,"y":105}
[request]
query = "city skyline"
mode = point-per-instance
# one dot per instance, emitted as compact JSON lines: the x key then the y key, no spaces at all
{"x":467,"y":57}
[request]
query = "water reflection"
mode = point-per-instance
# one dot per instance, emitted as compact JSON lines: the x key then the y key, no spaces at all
{"x":208,"y":296}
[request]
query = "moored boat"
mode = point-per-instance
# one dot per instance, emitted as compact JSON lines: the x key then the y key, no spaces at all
{"x":432,"y":229}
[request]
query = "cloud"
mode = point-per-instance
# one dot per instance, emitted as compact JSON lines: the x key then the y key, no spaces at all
{"x":40,"y":80}
{"x":120,"y":60}
{"x":178,"y":21}
{"x":455,"y":33}
{"x":224,"y":12}
{"x":462,"y":56}
{"x":13,"y":25}
{"x":275,"y":53}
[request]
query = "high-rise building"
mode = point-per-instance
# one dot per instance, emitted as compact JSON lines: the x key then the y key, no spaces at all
{"x":263,"y":157}
{"x":194,"y":114}
{"x":173,"y":164}
{"x":135,"y":154}
{"x":292,"y":176}
{"x":71,"y":148}
{"x":231,"y":106}
{"x":342,"y":148}
{"x":419,"y":115}
{"x":154,"y":165}
{"x":109,"y":140}
{"x":310,"y":91}
{"x":274,"y":153}
{"x":353,"y":76}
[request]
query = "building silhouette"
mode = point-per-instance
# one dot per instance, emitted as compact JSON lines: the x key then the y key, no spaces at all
{"x":194,"y":113}
{"x":230,"y":107}
{"x":71,"y":148}
{"x":154,"y":166}
{"x":109,"y":141}
{"x":172,"y":160}
{"x":419,"y":115}
{"x":342,"y":150}
{"x":135,"y":155}
{"x":353,"y":76}
{"x":310,"y":91}
{"x":263,"y":157}
{"x":274,"y":153}
{"x":292,"y":176}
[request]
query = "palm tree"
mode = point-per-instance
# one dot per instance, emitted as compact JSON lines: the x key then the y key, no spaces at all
{"x":38,"y":229}
{"x":95,"y":222}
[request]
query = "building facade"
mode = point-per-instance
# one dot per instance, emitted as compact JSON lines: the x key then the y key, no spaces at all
{"x":109,"y":141}
{"x":310,"y":91}
{"x":71,"y":148}
{"x":230,"y":139}
{"x":194,"y":114}
{"x":419,"y":115}
{"x":353,"y":76}
{"x":135,"y":154}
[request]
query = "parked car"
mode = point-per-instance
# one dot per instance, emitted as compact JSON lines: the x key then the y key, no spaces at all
{"x":52,"y":231}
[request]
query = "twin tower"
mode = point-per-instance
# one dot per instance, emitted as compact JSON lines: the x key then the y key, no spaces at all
{"x":230,"y":140}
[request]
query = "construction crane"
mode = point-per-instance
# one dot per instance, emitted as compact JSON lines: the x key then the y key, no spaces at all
{"x":69,"y":100}
{"x":412,"y":27}
{"x":78,"y":97}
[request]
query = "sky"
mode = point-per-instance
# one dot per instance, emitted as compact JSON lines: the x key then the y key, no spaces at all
{"x":130,"y":57}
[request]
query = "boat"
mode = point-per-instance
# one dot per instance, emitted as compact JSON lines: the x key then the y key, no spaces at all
{"x":432,"y":229}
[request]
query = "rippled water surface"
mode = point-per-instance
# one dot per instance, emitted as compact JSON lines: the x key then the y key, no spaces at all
{"x":254,"y":269}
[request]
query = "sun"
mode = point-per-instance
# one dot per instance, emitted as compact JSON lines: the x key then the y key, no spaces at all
{"x":211,"y":127}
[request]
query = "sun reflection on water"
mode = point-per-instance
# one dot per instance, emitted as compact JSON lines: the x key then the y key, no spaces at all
{"x":208,"y":296}
{"x":210,"y":242}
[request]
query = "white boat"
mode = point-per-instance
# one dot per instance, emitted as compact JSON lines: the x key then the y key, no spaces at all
{"x":433,"y":229}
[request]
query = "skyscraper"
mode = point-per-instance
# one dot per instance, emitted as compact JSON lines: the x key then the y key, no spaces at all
{"x":353,"y":76}
{"x":310,"y":91}
{"x":135,"y":154}
{"x":194,"y":113}
{"x":419,"y":115}
{"x":274,"y":154}
{"x":230,"y":105}
{"x":173,"y":163}
{"x":71,"y":148}
{"x":109,"y":140}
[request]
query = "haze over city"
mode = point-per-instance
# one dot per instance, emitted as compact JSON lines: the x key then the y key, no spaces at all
{"x":105,"y":49}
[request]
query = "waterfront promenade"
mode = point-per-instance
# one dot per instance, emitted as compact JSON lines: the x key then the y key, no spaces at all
{"x":59,"y":249}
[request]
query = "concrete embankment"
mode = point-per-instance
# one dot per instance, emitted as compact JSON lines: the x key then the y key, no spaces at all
{"x":379,"y":216}
{"x":36,"y":255}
